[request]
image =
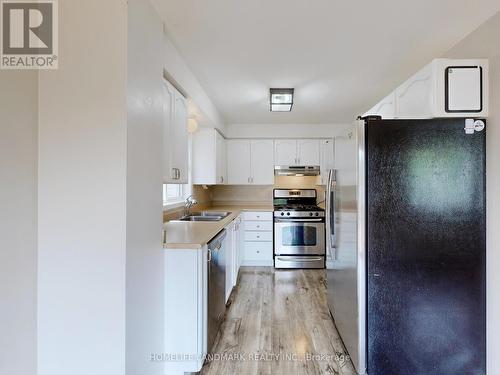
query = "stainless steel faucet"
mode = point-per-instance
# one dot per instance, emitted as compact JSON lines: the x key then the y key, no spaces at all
{"x":190,"y":202}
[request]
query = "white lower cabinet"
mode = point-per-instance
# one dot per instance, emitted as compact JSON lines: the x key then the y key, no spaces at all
{"x":258,"y":251}
{"x":186,"y":309}
{"x":231,"y":250}
{"x":258,"y":239}
{"x":238,"y":247}
{"x":186,"y":290}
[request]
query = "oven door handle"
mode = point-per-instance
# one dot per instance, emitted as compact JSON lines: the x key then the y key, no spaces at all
{"x":298,"y":220}
{"x":301,"y":259}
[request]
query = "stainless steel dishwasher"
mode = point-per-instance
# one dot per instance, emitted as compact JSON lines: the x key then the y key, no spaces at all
{"x":216,"y":285}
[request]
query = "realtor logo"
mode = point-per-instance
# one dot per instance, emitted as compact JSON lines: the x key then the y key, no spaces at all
{"x":29,"y":37}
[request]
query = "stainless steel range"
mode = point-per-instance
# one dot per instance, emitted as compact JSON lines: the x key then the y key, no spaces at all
{"x":299,"y":229}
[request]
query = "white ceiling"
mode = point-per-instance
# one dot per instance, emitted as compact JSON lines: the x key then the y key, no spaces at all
{"x":341,"y":56}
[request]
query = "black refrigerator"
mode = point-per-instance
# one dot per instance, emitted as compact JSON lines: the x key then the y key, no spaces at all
{"x":425,"y":228}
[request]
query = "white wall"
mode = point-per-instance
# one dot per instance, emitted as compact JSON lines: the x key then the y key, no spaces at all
{"x":18,"y":187}
{"x":145,"y":271}
{"x":82,"y":186}
{"x":285,"y":131}
{"x":484,"y":42}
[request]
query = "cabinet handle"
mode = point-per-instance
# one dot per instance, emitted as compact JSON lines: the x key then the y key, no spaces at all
{"x":209,"y":256}
{"x":258,"y":226}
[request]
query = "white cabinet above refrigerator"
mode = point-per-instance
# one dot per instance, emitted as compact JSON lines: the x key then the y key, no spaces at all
{"x":443,"y":88}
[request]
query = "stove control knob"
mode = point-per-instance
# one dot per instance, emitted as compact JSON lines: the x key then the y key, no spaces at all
{"x":310,"y":214}
{"x":282,"y":214}
{"x":288,"y":213}
{"x":317,"y":214}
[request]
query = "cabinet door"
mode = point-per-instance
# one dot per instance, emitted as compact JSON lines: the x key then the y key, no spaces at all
{"x":220,"y":150}
{"x":413,"y":98}
{"x":168,"y":115}
{"x":327,"y":161}
{"x":346,"y":154}
{"x":229,"y":261}
{"x":262,"y":162}
{"x":285,"y":152}
{"x":308,"y":151}
{"x":238,"y":162}
{"x":180,"y":142}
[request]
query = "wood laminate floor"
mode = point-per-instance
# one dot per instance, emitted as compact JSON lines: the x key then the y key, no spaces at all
{"x":278,"y":323}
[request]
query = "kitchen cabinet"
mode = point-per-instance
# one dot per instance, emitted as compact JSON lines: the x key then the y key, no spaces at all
{"x":308,"y":152}
{"x":238,"y":248}
{"x":209,"y":158}
{"x":258,"y":239}
{"x":230,"y":260}
{"x":285,"y":152}
{"x":262,"y":162}
{"x":221,"y":156}
{"x":250,"y":162}
{"x":187,"y":284}
{"x":238,"y":162}
{"x":296,"y":152}
{"x":327,"y":159}
{"x":443,"y":88}
{"x":175,"y":136}
{"x":386,"y":108}
{"x":186,"y":307}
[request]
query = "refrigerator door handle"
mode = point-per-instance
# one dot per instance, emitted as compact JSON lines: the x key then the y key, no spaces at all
{"x":329,"y":244}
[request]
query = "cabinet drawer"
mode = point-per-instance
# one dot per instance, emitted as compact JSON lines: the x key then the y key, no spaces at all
{"x":258,"y":216}
{"x":258,"y":236}
{"x":259,"y":225}
{"x":258,"y":251}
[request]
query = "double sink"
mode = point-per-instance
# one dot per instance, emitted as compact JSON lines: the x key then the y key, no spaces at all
{"x":204,"y":216}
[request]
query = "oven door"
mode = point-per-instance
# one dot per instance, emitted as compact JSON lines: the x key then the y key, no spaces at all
{"x":299,"y":237}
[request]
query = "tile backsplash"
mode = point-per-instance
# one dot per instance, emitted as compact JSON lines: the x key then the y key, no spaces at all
{"x":234,"y":194}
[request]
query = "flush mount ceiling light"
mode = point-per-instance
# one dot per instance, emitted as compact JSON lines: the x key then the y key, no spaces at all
{"x":281,"y":100}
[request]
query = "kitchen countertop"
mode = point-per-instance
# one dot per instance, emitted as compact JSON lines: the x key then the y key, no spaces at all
{"x":195,"y":235}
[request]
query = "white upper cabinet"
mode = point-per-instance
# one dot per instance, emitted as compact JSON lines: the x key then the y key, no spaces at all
{"x":180,"y":139}
{"x":175,"y":136}
{"x":386,"y":108}
{"x":262,"y":161}
{"x":414,"y":97}
{"x":443,"y":88}
{"x":296,"y":152}
{"x":327,"y":161}
{"x":308,"y":152}
{"x":285,"y":152}
{"x":221,"y":156}
{"x":209,"y":157}
{"x":168,"y":103}
{"x":250,"y":162}
{"x":238,"y":162}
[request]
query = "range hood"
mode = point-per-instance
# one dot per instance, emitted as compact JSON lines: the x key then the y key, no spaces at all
{"x":296,"y":170}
